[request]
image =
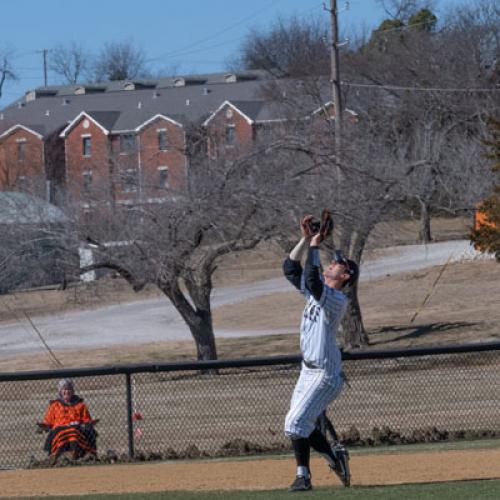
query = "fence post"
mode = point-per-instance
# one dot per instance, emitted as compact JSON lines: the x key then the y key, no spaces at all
{"x":130,"y":423}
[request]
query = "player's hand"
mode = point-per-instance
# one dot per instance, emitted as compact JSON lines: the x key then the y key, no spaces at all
{"x":316,"y":240}
{"x":305,"y":226}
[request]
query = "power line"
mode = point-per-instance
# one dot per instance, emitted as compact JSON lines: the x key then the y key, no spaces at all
{"x":215,"y":35}
{"x":183,"y":51}
{"x":204,"y":49}
{"x":399,"y":28}
{"x":419,"y":89}
{"x":24,"y":54}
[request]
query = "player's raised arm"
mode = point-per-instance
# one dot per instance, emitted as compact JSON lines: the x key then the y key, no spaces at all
{"x":311,"y":272}
{"x":292,"y":269}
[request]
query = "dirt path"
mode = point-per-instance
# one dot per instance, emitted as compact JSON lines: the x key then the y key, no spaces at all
{"x":367,"y":469}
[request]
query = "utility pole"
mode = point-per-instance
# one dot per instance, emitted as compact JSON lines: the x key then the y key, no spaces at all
{"x":44,"y":52}
{"x":335,"y":81}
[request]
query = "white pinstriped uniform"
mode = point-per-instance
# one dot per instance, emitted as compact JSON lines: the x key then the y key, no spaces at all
{"x":318,"y":386}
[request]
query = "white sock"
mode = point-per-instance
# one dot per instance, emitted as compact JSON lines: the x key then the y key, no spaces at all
{"x":303,"y":471}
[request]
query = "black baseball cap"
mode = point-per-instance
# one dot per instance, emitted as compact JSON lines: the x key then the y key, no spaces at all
{"x":351,"y":266}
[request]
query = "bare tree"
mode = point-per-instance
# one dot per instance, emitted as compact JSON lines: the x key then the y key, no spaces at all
{"x":120,"y":61}
{"x":175,"y":242}
{"x":426,"y":76}
{"x":6,"y":69}
{"x":290,"y":48}
{"x":70,"y":62}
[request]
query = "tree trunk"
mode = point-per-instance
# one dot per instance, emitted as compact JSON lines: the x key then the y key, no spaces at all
{"x":199,"y":320}
{"x":424,"y":233}
{"x":352,"y":325}
{"x":203,"y":335}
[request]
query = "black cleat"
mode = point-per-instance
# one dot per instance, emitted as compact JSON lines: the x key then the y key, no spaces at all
{"x":301,"y":483}
{"x":341,"y":466}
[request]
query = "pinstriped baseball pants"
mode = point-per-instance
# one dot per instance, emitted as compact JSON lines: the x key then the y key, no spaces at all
{"x":314,"y":391}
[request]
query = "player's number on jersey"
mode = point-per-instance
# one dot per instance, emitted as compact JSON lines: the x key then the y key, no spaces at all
{"x":312,"y":313}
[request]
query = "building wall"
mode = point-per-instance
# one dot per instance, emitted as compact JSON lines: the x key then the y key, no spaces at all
{"x":80,"y":166}
{"x":153,"y":160}
{"x":23,"y":170}
{"x":109,"y":173}
{"x":228,"y":117}
{"x":124,"y":164}
{"x":55,"y":167}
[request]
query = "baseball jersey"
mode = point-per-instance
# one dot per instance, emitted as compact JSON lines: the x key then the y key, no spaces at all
{"x":320,"y":319}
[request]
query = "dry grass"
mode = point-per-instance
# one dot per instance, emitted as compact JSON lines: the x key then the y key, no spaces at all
{"x":464,"y":307}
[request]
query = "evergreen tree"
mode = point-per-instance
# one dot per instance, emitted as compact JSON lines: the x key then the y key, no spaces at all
{"x":423,"y":20}
{"x":486,"y":234}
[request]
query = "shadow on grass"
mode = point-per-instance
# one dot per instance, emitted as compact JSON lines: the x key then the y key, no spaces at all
{"x":396,"y":333}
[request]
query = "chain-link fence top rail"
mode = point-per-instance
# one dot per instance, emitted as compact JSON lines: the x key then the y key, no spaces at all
{"x":235,"y":407}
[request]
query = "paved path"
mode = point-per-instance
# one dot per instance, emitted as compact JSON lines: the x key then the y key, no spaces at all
{"x":156,"y":319}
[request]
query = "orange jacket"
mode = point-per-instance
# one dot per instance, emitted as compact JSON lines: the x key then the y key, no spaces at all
{"x":59,"y":413}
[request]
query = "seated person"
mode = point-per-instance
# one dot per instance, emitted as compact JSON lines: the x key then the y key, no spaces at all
{"x":70,"y":427}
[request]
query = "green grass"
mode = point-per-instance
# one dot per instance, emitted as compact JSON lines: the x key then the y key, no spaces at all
{"x":442,"y":491}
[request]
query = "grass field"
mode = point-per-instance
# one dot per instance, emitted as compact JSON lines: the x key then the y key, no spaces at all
{"x":442,"y":491}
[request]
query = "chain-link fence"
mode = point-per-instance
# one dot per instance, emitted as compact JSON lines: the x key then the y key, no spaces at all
{"x":237,"y":407}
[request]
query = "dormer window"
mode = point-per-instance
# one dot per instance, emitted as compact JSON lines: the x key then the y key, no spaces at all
{"x":162,"y":139}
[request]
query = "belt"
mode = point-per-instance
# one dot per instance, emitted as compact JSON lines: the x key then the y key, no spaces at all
{"x":310,"y":365}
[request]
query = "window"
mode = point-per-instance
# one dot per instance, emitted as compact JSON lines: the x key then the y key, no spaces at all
{"x":163,"y":177}
{"x":162,"y":140}
{"x":129,"y":180}
{"x":21,"y":150}
{"x":127,"y":143}
{"x":230,"y":135}
{"x":87,"y":181}
{"x":266,"y":130}
{"x":87,"y":146}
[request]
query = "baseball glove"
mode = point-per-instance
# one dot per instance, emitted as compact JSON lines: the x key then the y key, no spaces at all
{"x":308,"y":226}
{"x":326,"y":226}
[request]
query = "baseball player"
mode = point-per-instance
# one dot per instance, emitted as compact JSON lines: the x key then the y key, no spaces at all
{"x":320,"y":380}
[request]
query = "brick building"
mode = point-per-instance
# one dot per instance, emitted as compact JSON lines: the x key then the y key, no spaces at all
{"x":125,"y":141}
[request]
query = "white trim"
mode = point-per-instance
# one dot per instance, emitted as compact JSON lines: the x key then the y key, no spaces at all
{"x":21,"y":139}
{"x":71,"y":124}
{"x":275,"y":120}
{"x":322,"y":108}
{"x":227,"y":103}
{"x":86,"y":135}
{"x":15,"y":127}
{"x":147,"y":122}
{"x":330,"y":103}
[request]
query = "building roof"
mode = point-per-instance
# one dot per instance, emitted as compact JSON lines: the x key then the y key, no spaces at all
{"x":183,"y":99}
{"x":21,"y":208}
{"x":126,"y":105}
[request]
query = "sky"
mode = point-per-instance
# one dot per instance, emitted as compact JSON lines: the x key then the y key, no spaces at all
{"x":179,"y":36}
